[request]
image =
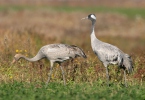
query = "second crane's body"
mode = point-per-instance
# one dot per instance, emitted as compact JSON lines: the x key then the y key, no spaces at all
{"x":59,"y":52}
{"x":109,"y":54}
{"x":56,"y":53}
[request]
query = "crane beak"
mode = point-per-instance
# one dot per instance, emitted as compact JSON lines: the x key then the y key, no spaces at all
{"x":84,"y":18}
{"x":13,"y":61}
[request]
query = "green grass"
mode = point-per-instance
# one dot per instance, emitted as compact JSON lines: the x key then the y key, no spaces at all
{"x":31,"y":76}
{"x":73,"y":91}
{"x":130,"y":12}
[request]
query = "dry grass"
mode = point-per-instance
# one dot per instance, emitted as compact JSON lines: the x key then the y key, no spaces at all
{"x":28,"y":31}
{"x":111,"y":3}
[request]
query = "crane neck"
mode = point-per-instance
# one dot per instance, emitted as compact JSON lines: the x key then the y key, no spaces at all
{"x":36,"y":58}
{"x":93,"y":36}
{"x":29,"y":59}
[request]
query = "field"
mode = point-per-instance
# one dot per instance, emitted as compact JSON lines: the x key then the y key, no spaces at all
{"x":73,"y":91}
{"x":25,"y":29}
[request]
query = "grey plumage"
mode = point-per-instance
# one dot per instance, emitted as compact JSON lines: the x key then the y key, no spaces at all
{"x":109,"y":54}
{"x":56,"y":53}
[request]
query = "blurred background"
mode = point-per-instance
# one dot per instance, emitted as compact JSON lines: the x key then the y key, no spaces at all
{"x":27,"y":25}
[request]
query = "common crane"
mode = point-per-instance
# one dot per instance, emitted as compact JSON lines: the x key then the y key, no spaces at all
{"x":56,"y":53}
{"x":109,"y":54}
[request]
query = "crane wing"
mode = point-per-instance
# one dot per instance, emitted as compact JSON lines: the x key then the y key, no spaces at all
{"x":58,"y":51}
{"x":108,"y":53}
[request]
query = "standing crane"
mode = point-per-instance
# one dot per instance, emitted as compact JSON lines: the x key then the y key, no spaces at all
{"x":56,"y":53}
{"x":109,"y":54}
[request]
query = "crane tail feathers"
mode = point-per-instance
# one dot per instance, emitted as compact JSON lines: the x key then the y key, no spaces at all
{"x":127,"y":62}
{"x":84,"y":55}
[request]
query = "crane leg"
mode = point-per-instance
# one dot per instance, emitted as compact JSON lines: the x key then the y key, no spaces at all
{"x":50,"y":73}
{"x":107,"y":76}
{"x":63,"y":74}
{"x":107,"y":73}
{"x":125,"y":78}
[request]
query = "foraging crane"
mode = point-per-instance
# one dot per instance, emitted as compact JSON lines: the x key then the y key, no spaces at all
{"x":56,"y":53}
{"x":109,"y":54}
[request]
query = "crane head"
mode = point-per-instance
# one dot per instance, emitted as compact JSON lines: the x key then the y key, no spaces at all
{"x":16,"y":58}
{"x":90,"y":16}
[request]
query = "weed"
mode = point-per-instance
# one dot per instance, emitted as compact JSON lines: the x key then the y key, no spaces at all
{"x":86,"y":79}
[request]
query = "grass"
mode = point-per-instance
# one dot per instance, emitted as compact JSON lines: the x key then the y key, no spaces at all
{"x":73,"y":91}
{"x":130,"y":12}
{"x":86,"y":78}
